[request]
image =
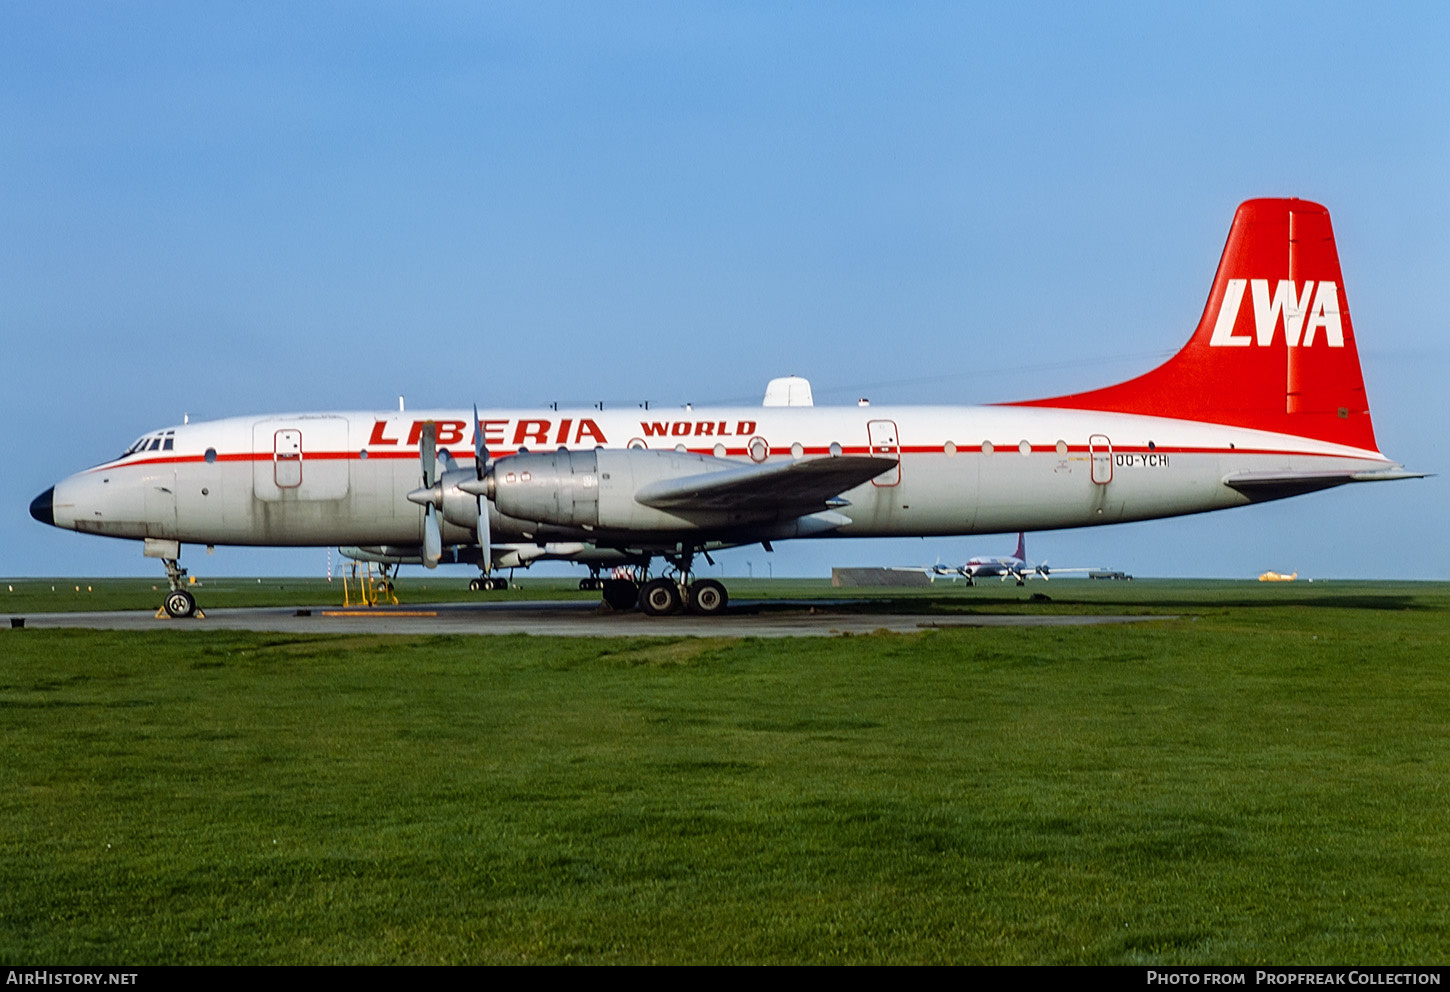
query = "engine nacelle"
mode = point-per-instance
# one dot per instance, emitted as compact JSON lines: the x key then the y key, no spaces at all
{"x":458,"y":508}
{"x":554,"y":487}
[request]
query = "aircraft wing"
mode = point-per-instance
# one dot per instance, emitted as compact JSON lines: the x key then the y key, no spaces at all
{"x":799,"y":485}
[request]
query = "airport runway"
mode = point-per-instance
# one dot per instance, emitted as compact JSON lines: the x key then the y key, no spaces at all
{"x":564,"y":618}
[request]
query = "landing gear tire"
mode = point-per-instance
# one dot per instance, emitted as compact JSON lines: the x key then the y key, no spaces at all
{"x":476,"y":585}
{"x":497,"y":585}
{"x":180,"y":604}
{"x":708,"y":598}
{"x":621,"y":594}
{"x":660,"y":598}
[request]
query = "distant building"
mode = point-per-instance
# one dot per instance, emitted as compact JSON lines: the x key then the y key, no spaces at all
{"x":875,"y":578}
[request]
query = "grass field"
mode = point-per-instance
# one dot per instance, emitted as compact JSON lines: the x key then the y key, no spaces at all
{"x":1263,"y":780}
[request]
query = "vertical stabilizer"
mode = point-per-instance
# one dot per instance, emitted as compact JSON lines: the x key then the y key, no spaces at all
{"x":1275,"y":348}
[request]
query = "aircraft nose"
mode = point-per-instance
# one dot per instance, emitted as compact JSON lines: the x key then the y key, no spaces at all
{"x":42,"y":508}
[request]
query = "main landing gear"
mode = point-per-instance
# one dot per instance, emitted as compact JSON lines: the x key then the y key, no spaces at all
{"x":667,"y":595}
{"x":487,"y":583}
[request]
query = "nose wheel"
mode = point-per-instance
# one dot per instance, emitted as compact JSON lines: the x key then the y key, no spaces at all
{"x":180,"y":603}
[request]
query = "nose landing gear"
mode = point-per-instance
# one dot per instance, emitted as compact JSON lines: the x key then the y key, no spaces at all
{"x":179,"y":602}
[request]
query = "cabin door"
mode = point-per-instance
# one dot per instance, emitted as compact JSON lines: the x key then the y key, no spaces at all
{"x":885,"y":444}
{"x":1100,"y":450}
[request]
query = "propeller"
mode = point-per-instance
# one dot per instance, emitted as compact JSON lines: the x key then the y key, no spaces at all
{"x":430,"y":495}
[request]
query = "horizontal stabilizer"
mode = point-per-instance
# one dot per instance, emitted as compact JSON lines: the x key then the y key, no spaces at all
{"x":773,"y":486}
{"x":1264,"y":486}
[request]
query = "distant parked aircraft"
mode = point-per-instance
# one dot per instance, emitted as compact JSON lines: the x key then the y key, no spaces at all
{"x":1014,"y":566}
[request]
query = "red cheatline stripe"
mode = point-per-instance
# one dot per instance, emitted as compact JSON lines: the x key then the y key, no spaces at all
{"x":1004,"y":447}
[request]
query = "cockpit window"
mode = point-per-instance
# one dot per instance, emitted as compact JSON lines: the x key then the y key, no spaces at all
{"x":162,"y":441}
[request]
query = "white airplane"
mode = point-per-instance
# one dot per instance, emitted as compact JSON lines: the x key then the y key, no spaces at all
{"x":1265,"y":401}
{"x":1014,"y":566}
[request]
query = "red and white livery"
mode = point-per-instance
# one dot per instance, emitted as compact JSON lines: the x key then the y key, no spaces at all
{"x":1266,"y":400}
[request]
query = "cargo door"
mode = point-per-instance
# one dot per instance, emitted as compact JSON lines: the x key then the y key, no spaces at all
{"x":300,"y":458}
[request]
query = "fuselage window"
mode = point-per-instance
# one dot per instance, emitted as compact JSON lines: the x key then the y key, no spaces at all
{"x":210,"y":455}
{"x":949,"y":448}
{"x":1062,"y":449}
{"x":1025,"y":447}
{"x":796,"y":450}
{"x":987,"y":448}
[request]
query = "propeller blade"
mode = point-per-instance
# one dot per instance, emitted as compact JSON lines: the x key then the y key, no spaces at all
{"x":480,"y":467}
{"x":432,"y":538}
{"x":428,"y":452}
{"x":484,"y":536}
{"x":432,"y":533}
{"x":480,"y":453}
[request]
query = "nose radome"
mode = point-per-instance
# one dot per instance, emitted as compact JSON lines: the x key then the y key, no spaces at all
{"x":42,"y":508}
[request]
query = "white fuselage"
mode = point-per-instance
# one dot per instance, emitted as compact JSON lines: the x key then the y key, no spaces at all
{"x":343,"y":478}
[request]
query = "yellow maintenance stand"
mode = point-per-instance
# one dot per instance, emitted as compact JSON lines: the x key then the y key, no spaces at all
{"x":371,"y":587}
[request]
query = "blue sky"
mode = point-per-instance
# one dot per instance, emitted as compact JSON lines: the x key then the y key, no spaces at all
{"x":224,"y":209}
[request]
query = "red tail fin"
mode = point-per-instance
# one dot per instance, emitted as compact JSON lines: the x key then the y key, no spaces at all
{"x":1021,"y":554}
{"x":1274,"y":349}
